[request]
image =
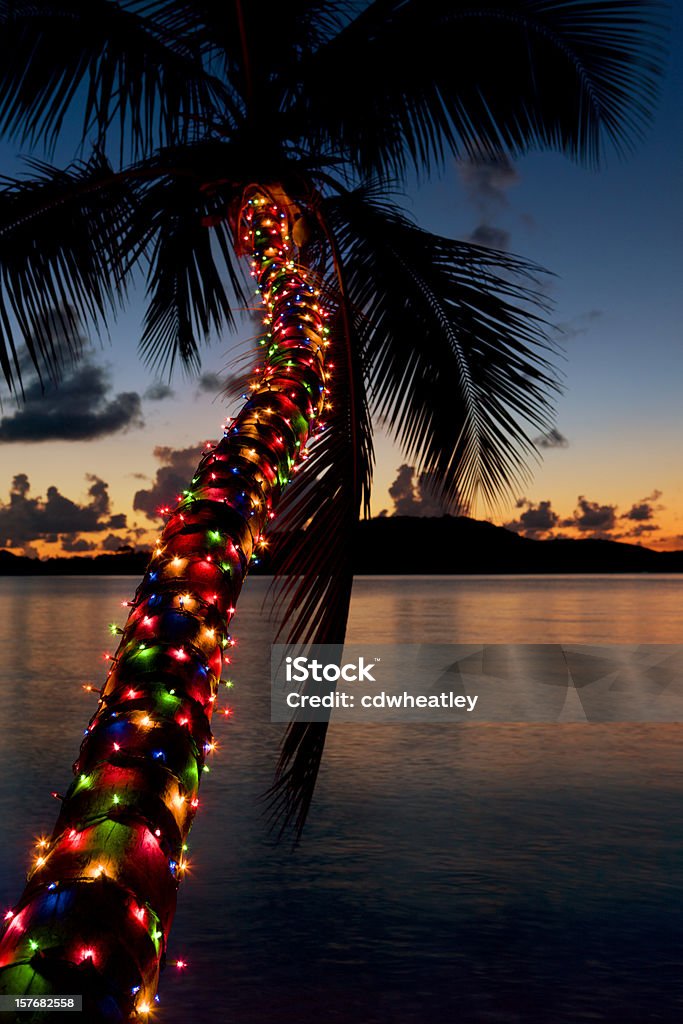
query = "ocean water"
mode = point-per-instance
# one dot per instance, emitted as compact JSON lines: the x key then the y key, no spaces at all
{"x":471,"y":873}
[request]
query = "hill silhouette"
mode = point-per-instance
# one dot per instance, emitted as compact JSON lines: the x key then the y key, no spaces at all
{"x":404,"y":544}
{"x":407,"y":545}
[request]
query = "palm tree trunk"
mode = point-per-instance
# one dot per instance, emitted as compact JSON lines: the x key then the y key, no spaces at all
{"x":97,"y":910}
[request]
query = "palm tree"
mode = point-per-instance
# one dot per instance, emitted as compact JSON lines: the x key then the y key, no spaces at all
{"x":275,"y":131}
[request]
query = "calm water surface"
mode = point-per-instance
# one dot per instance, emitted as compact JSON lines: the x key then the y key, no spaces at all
{"x":477,"y":873}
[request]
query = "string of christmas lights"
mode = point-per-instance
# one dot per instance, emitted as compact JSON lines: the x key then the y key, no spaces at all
{"x":95,"y":916}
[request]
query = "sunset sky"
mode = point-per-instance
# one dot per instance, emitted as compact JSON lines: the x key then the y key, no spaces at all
{"x":613,"y":468}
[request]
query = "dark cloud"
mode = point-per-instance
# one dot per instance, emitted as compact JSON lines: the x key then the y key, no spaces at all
{"x":416,"y":495}
{"x":210,"y":383}
{"x":24,"y":519}
{"x":113,"y":543}
{"x":639,"y":512}
{"x":553,"y":439}
{"x":592,"y":517}
{"x":176,"y":471}
{"x":78,"y":409}
{"x":487,"y":181}
{"x":644,"y":509}
{"x":490,"y":236}
{"x":77,"y":545}
{"x":158,"y":392}
{"x":402,"y":492}
{"x":641,"y":529}
{"x":20,"y":485}
{"x":99,"y":494}
{"x":535,"y":520}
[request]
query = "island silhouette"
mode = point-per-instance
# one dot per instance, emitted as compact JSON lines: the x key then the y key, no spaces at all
{"x":409,"y":545}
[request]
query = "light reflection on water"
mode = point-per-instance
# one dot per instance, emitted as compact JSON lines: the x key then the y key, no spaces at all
{"x":480,"y":873}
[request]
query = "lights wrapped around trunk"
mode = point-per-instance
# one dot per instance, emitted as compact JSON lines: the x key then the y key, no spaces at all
{"x":95,"y":916}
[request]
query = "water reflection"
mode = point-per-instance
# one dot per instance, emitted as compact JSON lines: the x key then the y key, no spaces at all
{"x":487,"y":873}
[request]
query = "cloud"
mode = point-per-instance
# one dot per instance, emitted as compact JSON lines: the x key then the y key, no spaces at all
{"x":24,"y":519}
{"x":637,"y":512}
{"x":592,"y":517}
{"x":158,"y":392}
{"x":402,"y":492}
{"x":487,"y":181}
{"x":113,"y":543}
{"x":644,"y":509}
{"x":580,"y":324}
{"x":20,"y":485}
{"x":669,"y":542}
{"x":416,"y":496}
{"x":210,"y":383}
{"x":78,"y":409}
{"x":535,"y":520}
{"x":553,"y":439}
{"x":176,"y":471}
{"x":490,"y":236}
{"x":99,"y":494}
{"x":77,"y":545}
{"x":642,"y":528}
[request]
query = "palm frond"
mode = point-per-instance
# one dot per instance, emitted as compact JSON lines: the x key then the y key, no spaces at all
{"x":113,"y":63}
{"x":60,"y":260}
{"x":457,"y":353}
{"x":292,"y":29}
{"x":315,"y":536}
{"x":412,"y":80}
{"x":195,"y":281}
